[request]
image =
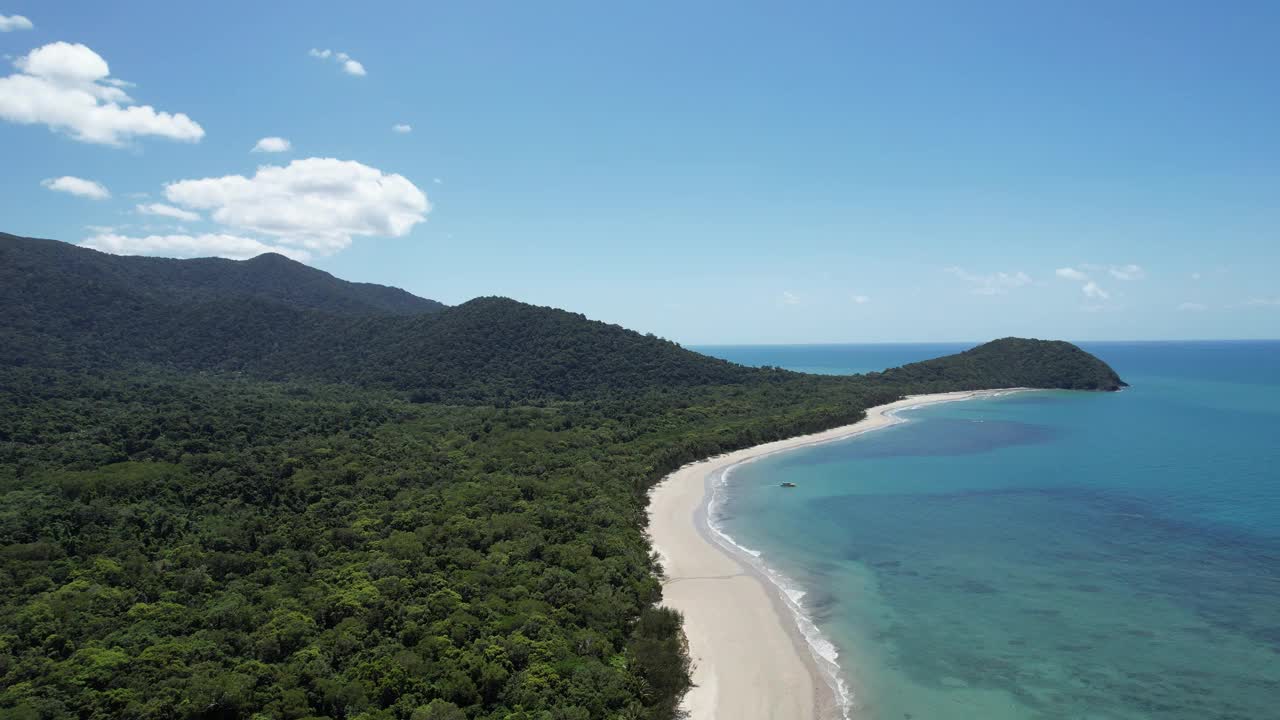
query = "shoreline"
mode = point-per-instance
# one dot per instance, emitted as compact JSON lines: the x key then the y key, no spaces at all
{"x":755,"y":653}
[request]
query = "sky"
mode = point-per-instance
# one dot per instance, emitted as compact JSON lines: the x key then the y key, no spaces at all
{"x":711,"y":172}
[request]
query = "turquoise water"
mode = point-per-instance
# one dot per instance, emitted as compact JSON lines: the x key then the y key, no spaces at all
{"x":1043,"y":555}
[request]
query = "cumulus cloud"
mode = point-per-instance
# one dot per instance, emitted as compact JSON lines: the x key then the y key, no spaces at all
{"x":1192,"y":307}
{"x":307,"y":208}
{"x":1070,"y":274}
{"x":318,"y":203}
{"x":78,"y":187}
{"x":437,"y":181}
{"x":272,"y":145}
{"x":74,"y":65}
{"x":789,"y":298}
{"x":169,"y":211}
{"x":402,"y":128}
{"x":1092,"y":290}
{"x":9,"y":23}
{"x":860,"y":299}
{"x":997,"y":283}
{"x":189,"y":246}
{"x":349,"y":65}
{"x":66,"y":88}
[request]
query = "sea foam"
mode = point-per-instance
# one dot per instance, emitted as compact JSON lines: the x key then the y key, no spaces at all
{"x":825,"y":654}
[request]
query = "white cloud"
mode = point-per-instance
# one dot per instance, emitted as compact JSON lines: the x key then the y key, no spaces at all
{"x":9,"y":23}
{"x":309,"y":207}
{"x":997,"y":283}
{"x":1192,"y":307}
{"x":318,"y":203}
{"x":73,"y":65}
{"x":1091,"y":289}
{"x":168,"y":211}
{"x":272,"y":145}
{"x":1119,"y":272}
{"x":78,"y":187}
{"x":188,"y":246}
{"x":402,"y":128}
{"x":1127,"y":272}
{"x":437,"y":181}
{"x":66,"y":87}
{"x":1263,"y":302}
{"x":1196,"y":276}
{"x":860,"y":299}
{"x":350,"y":65}
{"x":789,"y":298}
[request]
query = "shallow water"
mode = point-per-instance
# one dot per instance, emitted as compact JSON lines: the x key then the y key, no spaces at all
{"x":1049,"y":554}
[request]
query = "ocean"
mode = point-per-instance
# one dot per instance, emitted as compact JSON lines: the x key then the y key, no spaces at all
{"x":1044,"y":554}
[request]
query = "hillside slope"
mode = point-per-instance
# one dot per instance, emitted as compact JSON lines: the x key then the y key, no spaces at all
{"x":77,"y":309}
{"x":29,"y":263}
{"x":1009,"y":362}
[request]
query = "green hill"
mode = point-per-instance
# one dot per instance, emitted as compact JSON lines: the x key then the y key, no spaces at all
{"x":71,"y":306}
{"x":1009,"y":362}
{"x":273,"y":318}
{"x":65,"y":277}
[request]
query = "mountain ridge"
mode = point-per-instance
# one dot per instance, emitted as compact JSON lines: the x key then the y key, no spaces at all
{"x":269,"y":276}
{"x":488,"y":349}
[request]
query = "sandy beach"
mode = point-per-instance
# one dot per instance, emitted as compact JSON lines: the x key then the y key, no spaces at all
{"x":751,"y":661}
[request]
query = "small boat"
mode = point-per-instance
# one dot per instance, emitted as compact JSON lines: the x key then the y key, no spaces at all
{"x":788,"y":484}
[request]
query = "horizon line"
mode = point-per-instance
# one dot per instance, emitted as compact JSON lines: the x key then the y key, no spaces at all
{"x":965,"y":342}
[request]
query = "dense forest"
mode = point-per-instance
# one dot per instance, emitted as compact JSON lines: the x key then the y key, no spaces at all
{"x":269,"y":277}
{"x":236,"y":490}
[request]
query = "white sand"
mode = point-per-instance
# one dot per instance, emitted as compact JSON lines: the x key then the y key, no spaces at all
{"x":750,"y":660}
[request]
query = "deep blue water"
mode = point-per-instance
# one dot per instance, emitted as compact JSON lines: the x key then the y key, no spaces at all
{"x":833,"y":359}
{"x":1042,"y":555}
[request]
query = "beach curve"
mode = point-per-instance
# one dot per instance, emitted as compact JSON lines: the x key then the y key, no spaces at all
{"x":753,"y":657}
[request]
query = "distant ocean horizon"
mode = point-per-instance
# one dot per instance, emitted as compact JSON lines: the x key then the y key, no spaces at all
{"x":1043,"y":554}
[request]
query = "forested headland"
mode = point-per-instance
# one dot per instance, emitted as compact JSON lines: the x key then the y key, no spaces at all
{"x":238,"y":489}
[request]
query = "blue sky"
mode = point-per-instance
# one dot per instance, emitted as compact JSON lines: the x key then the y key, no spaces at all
{"x":710,"y":172}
